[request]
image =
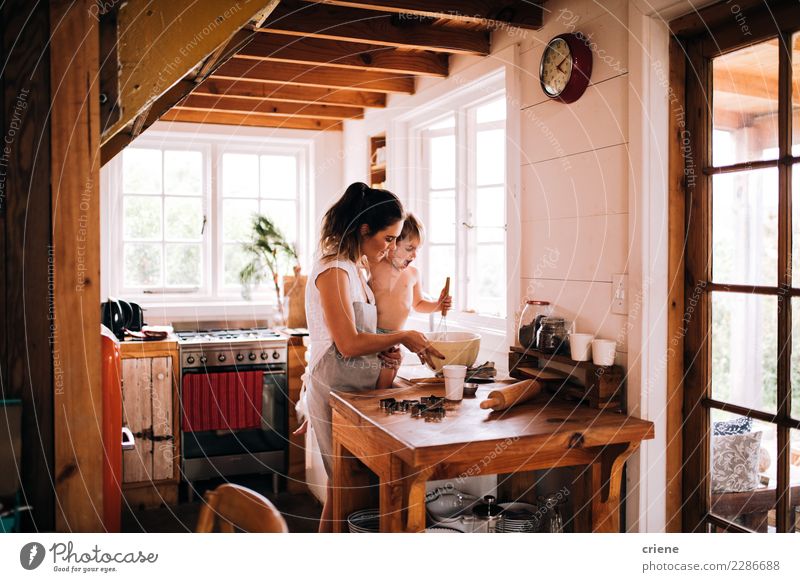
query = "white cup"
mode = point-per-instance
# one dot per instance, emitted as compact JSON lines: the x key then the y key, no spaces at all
{"x":603,"y":352}
{"x":454,"y":376}
{"x":580,"y":346}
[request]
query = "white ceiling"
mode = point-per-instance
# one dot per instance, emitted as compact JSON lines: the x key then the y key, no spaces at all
{"x":669,"y":9}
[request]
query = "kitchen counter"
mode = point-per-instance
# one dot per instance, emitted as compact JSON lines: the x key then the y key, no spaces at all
{"x":406,"y":452}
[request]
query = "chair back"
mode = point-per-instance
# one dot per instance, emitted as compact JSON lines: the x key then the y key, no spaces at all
{"x":234,"y":507}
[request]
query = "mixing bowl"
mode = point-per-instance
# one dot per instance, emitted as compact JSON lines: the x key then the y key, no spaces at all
{"x":457,"y":347}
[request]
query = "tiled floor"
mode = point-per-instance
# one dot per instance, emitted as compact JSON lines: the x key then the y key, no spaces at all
{"x":301,"y":512}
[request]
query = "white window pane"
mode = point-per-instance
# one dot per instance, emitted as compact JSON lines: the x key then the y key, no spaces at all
{"x":490,"y":217}
{"x":183,"y":172}
{"x":278,"y":177}
{"x":442,"y":264}
{"x":183,"y":218}
{"x":442,"y":162}
{"x":240,"y":175}
{"x":492,"y":111}
{"x":233,"y":260}
{"x":488,"y":286}
{"x":141,"y":217}
{"x":284,"y":214}
{"x":490,"y":158}
{"x":142,"y":264}
{"x":183,"y":265}
{"x":141,"y":171}
{"x":237,"y":219}
{"x":442,"y":224}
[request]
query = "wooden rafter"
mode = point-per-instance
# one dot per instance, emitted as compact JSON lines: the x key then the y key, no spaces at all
{"x":292,"y":94}
{"x":291,"y":74}
{"x":346,"y":55}
{"x":490,"y":13}
{"x":224,"y":118}
{"x":373,"y":27}
{"x":272,"y":108}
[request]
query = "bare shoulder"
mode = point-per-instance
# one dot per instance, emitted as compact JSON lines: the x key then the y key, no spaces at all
{"x":413,"y":274}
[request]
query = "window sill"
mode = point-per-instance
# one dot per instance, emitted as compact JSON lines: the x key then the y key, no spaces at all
{"x":257,"y":313}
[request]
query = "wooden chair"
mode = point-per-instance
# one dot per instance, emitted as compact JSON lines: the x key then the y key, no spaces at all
{"x":239,"y":508}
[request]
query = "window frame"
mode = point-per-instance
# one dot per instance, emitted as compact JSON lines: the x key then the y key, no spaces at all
{"x":459,"y":105}
{"x":698,"y":52}
{"x":213,"y":146}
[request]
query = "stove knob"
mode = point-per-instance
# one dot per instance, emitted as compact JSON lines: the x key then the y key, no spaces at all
{"x":221,"y":357}
{"x":276,"y":355}
{"x":251,"y":356}
{"x":190,"y":360}
{"x":239,"y":357}
{"x":264,"y":355}
{"x":203,"y":359}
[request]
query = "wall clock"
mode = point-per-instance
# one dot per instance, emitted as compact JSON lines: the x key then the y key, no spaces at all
{"x":566,"y":67}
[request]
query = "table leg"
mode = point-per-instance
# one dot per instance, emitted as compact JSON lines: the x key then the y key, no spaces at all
{"x":416,"y":499}
{"x":350,"y":485}
{"x":606,"y":482}
{"x":391,"y":497}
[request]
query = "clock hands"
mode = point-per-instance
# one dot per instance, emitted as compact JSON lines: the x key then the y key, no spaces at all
{"x":558,"y":66}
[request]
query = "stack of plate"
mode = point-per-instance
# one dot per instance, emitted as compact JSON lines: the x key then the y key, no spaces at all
{"x":441,"y":529}
{"x":519,"y":518}
{"x":364,"y":521}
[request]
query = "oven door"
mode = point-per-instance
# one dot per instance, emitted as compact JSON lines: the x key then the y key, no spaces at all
{"x":272,"y":436}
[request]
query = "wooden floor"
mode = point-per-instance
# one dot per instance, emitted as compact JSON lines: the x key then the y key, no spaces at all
{"x":301,"y":512}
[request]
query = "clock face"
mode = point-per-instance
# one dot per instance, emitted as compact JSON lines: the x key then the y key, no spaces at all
{"x":556,"y":67}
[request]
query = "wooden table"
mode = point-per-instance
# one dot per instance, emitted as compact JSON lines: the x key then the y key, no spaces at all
{"x":404,"y":452}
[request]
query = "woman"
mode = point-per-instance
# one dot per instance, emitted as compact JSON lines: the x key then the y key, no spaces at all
{"x":340,"y":307}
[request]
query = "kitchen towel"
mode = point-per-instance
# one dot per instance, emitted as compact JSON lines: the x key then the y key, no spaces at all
{"x":222,"y":401}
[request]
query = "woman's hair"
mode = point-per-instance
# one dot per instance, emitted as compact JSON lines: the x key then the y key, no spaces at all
{"x":360,"y":204}
{"x":412,"y":228}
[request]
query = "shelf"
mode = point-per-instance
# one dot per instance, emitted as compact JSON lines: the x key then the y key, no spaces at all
{"x":546,"y":358}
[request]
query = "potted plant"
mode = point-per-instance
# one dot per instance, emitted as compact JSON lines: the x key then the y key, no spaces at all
{"x":268,"y":251}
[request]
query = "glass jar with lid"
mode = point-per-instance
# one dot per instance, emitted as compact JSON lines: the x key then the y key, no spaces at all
{"x":551,"y":337}
{"x":530,"y":321}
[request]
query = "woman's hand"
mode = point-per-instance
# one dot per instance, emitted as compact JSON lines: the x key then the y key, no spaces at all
{"x":420,"y":345}
{"x":391,"y":358}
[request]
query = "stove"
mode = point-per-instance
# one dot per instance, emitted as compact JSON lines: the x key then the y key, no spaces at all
{"x":212,"y":359}
{"x":224,"y":347}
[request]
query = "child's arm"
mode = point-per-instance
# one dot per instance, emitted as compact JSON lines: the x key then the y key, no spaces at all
{"x":423,"y":305}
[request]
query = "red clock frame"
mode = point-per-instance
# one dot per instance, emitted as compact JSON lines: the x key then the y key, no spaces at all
{"x":581,"y":74}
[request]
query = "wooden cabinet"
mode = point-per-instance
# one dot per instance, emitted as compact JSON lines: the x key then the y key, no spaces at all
{"x":296,"y":482}
{"x":150,"y":376}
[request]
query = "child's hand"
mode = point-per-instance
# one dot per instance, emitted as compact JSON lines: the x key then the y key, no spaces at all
{"x":445,"y":302}
{"x":391,"y":358}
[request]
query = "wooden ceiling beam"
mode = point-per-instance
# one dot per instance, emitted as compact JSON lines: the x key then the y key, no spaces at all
{"x":373,"y":27}
{"x":236,"y":119}
{"x":321,"y":96}
{"x":346,"y":55}
{"x":492,"y":14}
{"x":265,"y":107}
{"x":292,"y":74}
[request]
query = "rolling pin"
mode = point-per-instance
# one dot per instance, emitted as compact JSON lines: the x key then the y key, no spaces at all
{"x":512,"y":394}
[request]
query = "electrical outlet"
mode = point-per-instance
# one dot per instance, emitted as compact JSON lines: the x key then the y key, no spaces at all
{"x":619,"y":294}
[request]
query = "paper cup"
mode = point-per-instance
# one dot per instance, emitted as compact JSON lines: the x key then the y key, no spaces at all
{"x":603,"y":352}
{"x":454,"y":381}
{"x":580,"y":346}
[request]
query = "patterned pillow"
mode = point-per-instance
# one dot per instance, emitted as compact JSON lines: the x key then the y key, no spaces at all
{"x":739,"y":425}
{"x":734,"y":462}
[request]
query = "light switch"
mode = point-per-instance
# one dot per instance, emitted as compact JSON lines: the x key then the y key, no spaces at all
{"x":619,"y":296}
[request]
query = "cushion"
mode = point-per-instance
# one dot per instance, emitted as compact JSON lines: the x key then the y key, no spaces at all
{"x":734,"y":462}
{"x":739,"y":425}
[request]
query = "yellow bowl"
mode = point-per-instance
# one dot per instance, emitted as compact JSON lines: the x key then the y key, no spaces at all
{"x":458,"y":347}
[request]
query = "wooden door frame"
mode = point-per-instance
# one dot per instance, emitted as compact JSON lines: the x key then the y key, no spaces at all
{"x":690,"y":247}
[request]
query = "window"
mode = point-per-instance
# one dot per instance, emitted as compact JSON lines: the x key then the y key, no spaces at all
{"x":183,"y":212}
{"x":743,"y":283}
{"x":463,"y":204}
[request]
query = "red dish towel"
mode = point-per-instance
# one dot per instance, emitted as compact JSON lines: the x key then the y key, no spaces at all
{"x":222,"y":401}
